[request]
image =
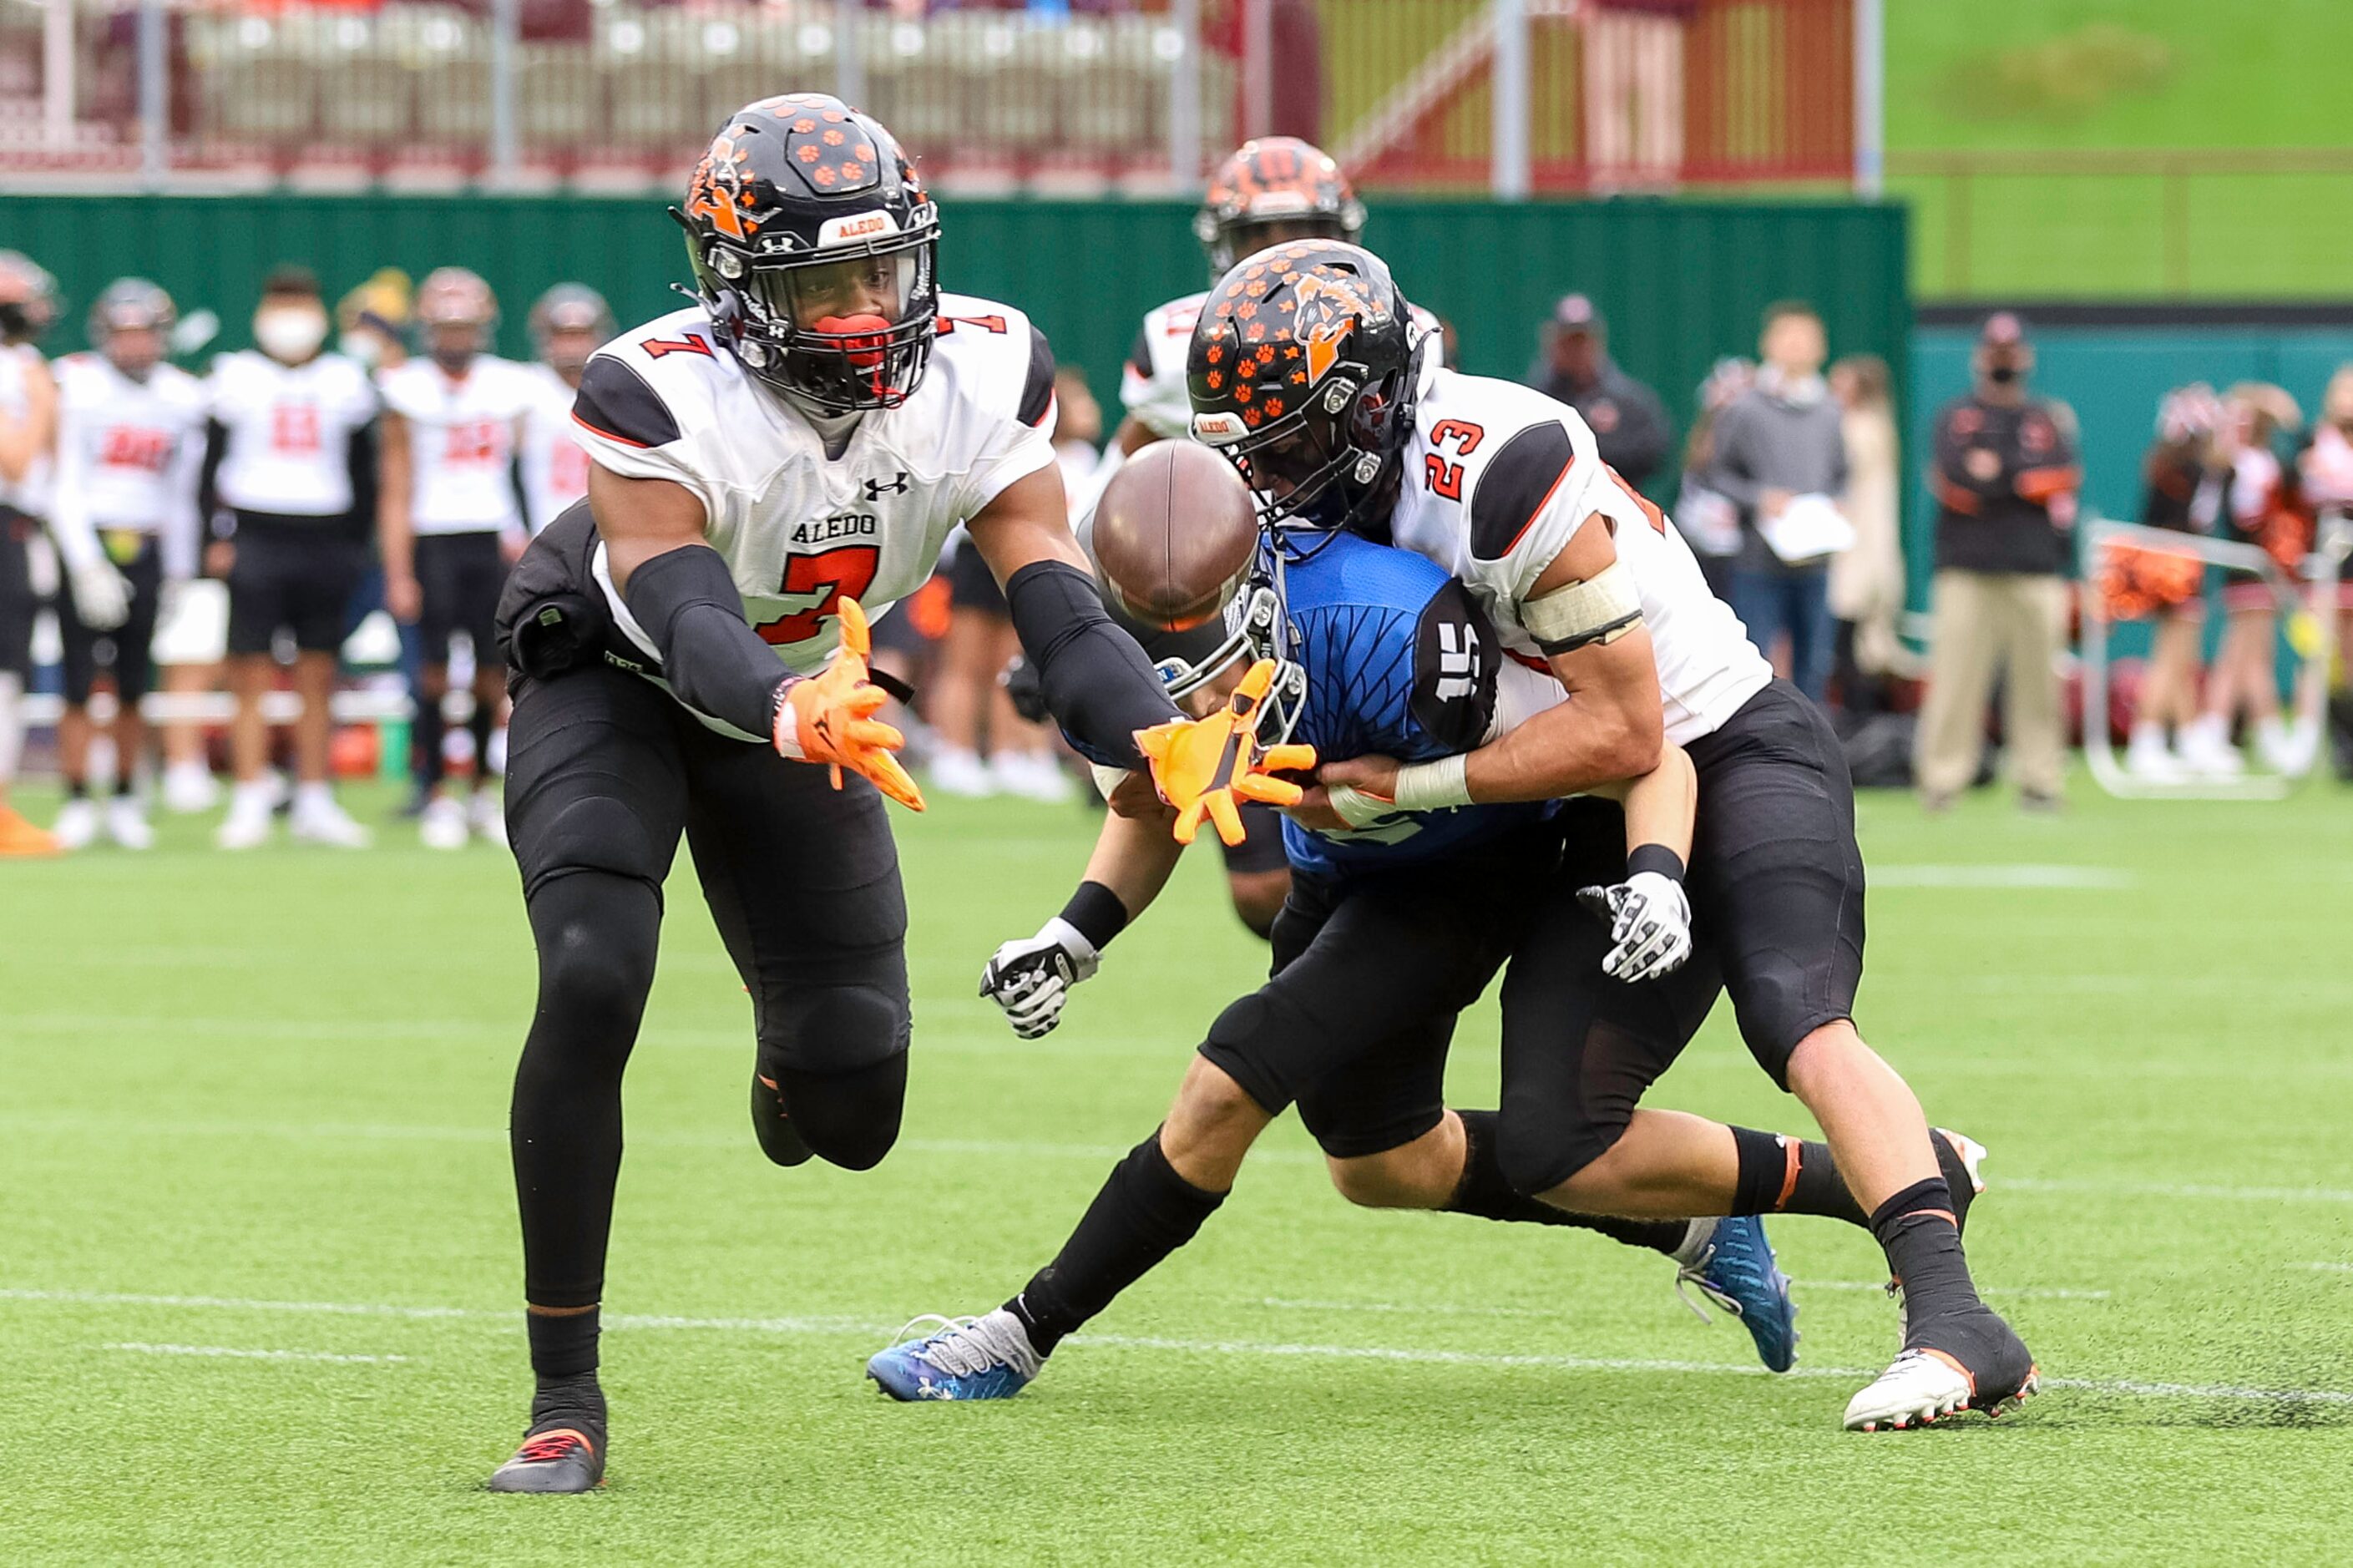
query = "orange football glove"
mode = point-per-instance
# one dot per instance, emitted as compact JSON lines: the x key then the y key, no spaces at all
{"x":1204,"y":766}
{"x":830,"y":716}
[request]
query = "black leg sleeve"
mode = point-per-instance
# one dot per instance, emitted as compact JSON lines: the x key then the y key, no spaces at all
{"x":596,"y":933}
{"x":1485,"y":1192}
{"x":1145,"y":1212}
{"x":1098,"y":684}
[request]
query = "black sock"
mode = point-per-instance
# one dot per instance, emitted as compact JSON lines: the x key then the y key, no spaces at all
{"x":479,"y":726}
{"x":1814,"y":1183}
{"x":1762,"y":1167}
{"x":124,"y":783}
{"x":77,"y":789}
{"x":1484,"y":1193}
{"x":563,"y":1344}
{"x":1145,"y":1212}
{"x":424,"y":755}
{"x":575,"y":1401}
{"x":1917,"y":1230}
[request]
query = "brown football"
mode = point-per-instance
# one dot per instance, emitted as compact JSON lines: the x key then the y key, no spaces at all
{"x":1174,"y":532}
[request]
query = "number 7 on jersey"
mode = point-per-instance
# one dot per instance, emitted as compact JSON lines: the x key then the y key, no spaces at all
{"x":829,"y":574}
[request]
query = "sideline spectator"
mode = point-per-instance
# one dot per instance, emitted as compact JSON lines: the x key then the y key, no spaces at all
{"x":1633,"y":59}
{"x":1709,"y":520}
{"x":1780,"y":442}
{"x":568,"y":324}
{"x":2179,"y":494}
{"x":2259,"y":505}
{"x":291,"y":456}
{"x":28,"y":425}
{"x":1628,"y":421}
{"x":2328,"y":468}
{"x":1867,"y":579}
{"x":2005,"y":476}
{"x":448,"y":520}
{"x":130,"y":443}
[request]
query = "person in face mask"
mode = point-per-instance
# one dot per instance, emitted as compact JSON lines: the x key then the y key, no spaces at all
{"x":448,"y":520}
{"x":568,"y":324}
{"x":287,"y":485}
{"x":1782,"y":440}
{"x":372,"y":321}
{"x":2005,"y":476}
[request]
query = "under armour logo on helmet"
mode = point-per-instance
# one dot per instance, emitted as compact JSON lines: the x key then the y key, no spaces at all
{"x":876,"y":489}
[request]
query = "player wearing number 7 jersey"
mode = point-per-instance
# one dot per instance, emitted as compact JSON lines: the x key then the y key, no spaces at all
{"x":797,"y":444}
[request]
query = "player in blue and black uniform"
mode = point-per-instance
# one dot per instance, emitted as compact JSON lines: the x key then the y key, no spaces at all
{"x":1390,"y":931}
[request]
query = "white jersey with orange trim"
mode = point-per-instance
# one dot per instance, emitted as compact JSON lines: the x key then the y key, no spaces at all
{"x":799,"y":528}
{"x":1152,"y":382}
{"x":554,"y":465}
{"x":289,"y":431}
{"x":30,"y":494}
{"x":1497,"y":478}
{"x":463,"y":433}
{"x":128,"y":453}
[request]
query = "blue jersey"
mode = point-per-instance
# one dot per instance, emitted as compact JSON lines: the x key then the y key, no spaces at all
{"x":1401,"y":662}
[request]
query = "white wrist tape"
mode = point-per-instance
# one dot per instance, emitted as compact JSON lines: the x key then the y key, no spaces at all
{"x":1107,"y":778}
{"x":1357,"y":808}
{"x":1433,"y":786}
{"x":1601,"y":609}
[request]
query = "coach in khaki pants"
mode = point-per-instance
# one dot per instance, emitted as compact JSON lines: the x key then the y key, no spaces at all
{"x":2005,"y":475}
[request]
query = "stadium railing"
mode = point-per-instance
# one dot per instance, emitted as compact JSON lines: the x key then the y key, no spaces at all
{"x":1120,"y":94}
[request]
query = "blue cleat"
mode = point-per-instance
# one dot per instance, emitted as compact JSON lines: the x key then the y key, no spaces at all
{"x":961,"y":1358}
{"x":1731,"y":1264}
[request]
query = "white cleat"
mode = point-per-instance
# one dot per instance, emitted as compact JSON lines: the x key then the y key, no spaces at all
{"x":247,"y":825}
{"x":1032,"y":775}
{"x":189,"y":788}
{"x":443,"y":825}
{"x":324,"y":822}
{"x":126,"y":824}
{"x":1972,"y":1154}
{"x":486,"y":815}
{"x":77,"y":824}
{"x":1921,"y":1385}
{"x":954,"y":771}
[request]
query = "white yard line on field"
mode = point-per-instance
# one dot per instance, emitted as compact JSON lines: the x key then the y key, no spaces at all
{"x":845,"y":1327}
{"x":2090,"y":879}
{"x":241,"y":1354}
{"x":2330,"y":1267}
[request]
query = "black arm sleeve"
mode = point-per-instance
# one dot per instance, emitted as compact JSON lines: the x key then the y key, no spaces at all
{"x":208,"y":476}
{"x":1098,"y":684}
{"x":712,"y":660}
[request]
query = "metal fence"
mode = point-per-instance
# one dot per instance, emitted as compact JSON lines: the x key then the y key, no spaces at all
{"x":1059,"y":95}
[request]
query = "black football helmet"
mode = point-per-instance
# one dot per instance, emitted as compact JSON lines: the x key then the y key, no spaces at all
{"x":813,"y":245}
{"x":1273,"y":189}
{"x":1302,"y":372}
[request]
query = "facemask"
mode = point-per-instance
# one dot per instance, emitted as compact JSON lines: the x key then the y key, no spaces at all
{"x":289,"y":333}
{"x":2002,"y":374}
{"x":364,"y":347}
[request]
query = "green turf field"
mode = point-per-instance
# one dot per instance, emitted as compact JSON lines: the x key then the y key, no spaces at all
{"x":258,"y":1274}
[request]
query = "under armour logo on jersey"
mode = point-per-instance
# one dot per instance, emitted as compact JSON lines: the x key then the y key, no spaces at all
{"x":876,"y":489}
{"x":1458,"y":662}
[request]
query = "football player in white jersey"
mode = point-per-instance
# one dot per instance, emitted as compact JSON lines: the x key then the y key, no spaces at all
{"x":449,"y":511}
{"x":1303,"y":373}
{"x":27,"y":429}
{"x":1269,"y":190}
{"x":567,"y":324}
{"x":687,"y":642}
{"x":291,"y":448}
{"x":130,"y":442}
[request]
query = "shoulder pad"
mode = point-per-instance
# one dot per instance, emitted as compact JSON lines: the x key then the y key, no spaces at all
{"x":1002,"y":360}
{"x":620,"y":405}
{"x":1515,"y":484}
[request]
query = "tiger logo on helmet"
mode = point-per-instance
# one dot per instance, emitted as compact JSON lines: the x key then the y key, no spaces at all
{"x":1301,"y":372}
{"x":1273,"y":189}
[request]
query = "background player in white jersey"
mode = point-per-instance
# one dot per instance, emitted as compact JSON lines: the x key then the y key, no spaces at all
{"x":447,"y":510}
{"x":28,"y":428}
{"x":291,"y":459}
{"x":130,"y":442}
{"x":1303,"y":373}
{"x":683,"y":643}
{"x":567,"y":324}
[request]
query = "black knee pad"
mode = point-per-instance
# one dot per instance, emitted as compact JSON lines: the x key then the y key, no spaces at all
{"x":847,"y":1119}
{"x":597,"y":935}
{"x":1541,"y":1145}
{"x":595,"y":833}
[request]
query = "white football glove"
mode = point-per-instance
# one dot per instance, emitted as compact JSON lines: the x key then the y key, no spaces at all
{"x":1650,"y":925}
{"x":1031,"y":979}
{"x":101,"y":596}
